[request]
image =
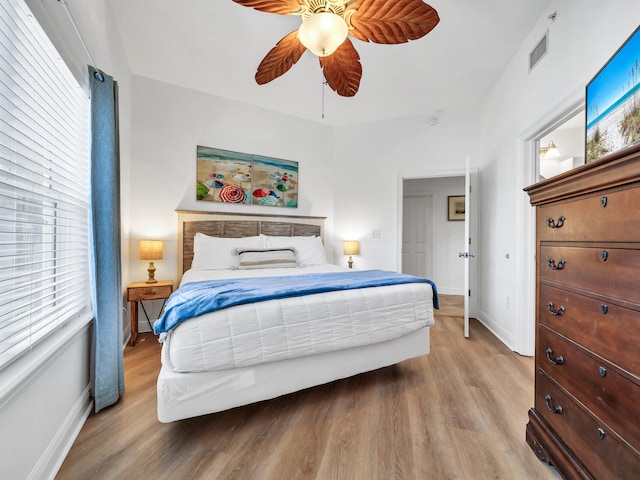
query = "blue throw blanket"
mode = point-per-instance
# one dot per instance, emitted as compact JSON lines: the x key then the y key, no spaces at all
{"x":197,"y":298}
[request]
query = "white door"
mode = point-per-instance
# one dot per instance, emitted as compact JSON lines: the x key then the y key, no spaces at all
{"x":417,"y":236}
{"x":470,"y":235}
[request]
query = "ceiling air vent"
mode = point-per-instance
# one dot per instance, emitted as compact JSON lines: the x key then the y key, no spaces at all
{"x":539,"y":51}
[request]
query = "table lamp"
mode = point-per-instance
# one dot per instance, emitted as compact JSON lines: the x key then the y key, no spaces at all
{"x":351,"y":247}
{"x":151,"y":250}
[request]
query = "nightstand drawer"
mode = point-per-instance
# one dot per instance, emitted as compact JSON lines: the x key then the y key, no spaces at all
{"x":152,"y":292}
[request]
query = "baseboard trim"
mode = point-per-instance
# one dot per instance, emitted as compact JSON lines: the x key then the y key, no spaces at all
{"x":499,"y":332}
{"x":450,"y":291}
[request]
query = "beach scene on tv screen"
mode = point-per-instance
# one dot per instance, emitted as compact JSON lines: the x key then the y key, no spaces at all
{"x":613,"y":103}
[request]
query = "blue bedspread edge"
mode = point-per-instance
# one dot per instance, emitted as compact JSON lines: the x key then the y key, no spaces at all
{"x":197,"y":298}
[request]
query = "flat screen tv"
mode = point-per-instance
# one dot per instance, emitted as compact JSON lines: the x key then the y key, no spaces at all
{"x":613,"y":102}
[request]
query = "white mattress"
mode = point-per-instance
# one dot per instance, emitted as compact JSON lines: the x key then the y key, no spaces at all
{"x":277,"y":330}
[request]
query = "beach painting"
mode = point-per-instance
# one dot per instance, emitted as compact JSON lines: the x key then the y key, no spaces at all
{"x":275,"y":182}
{"x":223,"y":176}
{"x":233,"y":177}
{"x":613,"y":103}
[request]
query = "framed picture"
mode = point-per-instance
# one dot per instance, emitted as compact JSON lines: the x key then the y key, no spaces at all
{"x":274,"y":182}
{"x":613,"y":103}
{"x":456,"y":207}
{"x":233,"y":177}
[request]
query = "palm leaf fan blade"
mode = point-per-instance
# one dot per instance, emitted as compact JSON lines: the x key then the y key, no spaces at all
{"x":343,"y":69}
{"x":280,"y":59}
{"x":380,"y":21}
{"x":280,"y":7}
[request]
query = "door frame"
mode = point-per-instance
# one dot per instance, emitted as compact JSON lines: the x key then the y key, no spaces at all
{"x":426,"y":174}
{"x":527,"y":150}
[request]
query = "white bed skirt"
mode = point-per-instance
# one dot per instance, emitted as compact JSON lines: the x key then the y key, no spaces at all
{"x":184,"y":395}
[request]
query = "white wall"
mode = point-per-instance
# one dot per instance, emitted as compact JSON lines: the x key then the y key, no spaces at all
{"x":449,"y":239}
{"x":585,"y":34}
{"x":350,"y":176}
{"x":44,"y":395}
{"x":371,"y":158}
{"x":170,"y":122}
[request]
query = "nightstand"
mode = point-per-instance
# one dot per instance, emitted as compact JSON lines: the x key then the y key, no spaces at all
{"x":139,"y":291}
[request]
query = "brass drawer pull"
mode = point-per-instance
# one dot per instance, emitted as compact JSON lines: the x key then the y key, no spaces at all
{"x":604,"y":255}
{"x":556,"y":361}
{"x":601,"y":433}
{"x":603,"y":371}
{"x":603,"y":201}
{"x":552,"y":264}
{"x":604,"y":308}
{"x":552,"y":409}
{"x":551,"y":223}
{"x":558,"y":311}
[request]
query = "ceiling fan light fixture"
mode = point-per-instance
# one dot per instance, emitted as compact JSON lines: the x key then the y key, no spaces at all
{"x":326,"y":26}
{"x":323,"y":33}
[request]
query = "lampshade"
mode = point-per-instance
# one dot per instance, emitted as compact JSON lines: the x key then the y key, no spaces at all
{"x":351,"y":247}
{"x":323,"y":33}
{"x":151,"y":249}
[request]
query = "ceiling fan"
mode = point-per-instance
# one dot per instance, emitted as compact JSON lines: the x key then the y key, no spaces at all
{"x":325,"y":27}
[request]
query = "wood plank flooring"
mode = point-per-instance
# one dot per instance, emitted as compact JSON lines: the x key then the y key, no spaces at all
{"x":458,"y":413}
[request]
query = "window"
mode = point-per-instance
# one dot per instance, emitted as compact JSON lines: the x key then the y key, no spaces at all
{"x":44,"y":186}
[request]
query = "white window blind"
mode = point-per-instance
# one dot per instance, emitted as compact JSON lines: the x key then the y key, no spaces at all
{"x":44,"y":186}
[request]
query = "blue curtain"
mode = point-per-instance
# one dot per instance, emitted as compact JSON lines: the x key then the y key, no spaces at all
{"x":107,"y":363}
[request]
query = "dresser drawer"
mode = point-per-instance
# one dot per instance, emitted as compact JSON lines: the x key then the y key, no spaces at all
{"x":608,"y":271}
{"x":610,"y":331}
{"x":598,"y":447}
{"x":587,"y":220}
{"x":609,"y":395}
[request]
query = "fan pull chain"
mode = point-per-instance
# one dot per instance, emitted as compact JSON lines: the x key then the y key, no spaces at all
{"x":324,"y":83}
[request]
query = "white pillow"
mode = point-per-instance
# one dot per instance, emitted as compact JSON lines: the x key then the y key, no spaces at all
{"x":215,"y":253}
{"x":309,"y":250}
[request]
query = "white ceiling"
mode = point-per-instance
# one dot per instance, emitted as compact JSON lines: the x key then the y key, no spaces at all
{"x":215,"y":46}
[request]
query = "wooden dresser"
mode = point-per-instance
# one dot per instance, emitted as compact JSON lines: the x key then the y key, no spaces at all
{"x":586,"y":415}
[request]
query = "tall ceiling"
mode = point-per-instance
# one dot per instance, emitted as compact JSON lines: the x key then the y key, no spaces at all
{"x":215,"y":46}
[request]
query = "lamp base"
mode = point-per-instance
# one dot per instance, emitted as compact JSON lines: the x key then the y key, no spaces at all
{"x":350,"y":262}
{"x":152,"y":274}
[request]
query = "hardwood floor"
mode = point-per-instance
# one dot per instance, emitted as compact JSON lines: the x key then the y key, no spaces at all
{"x":458,"y":413}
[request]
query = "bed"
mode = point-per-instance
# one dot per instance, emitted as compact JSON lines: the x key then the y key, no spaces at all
{"x":247,"y":351}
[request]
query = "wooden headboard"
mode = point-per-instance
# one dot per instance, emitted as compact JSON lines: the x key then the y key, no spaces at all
{"x":236,"y":225}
